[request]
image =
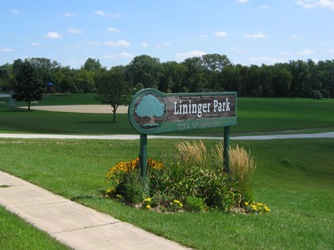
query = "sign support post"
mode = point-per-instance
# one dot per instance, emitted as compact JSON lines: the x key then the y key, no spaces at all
{"x":226,"y":149}
{"x":143,"y":155}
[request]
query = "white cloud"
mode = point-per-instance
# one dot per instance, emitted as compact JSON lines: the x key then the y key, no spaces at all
{"x":35,"y":44}
{"x":264,"y":7}
{"x":294,"y":37}
{"x":14,"y":11}
{"x":121,"y":55}
{"x":242,"y":1}
{"x":103,"y":13}
{"x":144,"y":45}
{"x":161,"y":45}
{"x":221,"y":34}
{"x":112,"y":30}
{"x":184,"y":55}
{"x":95,"y":43}
{"x":53,"y":35}
{"x":330,"y":51}
{"x":100,"y":13}
{"x":126,"y":55}
{"x":309,"y":4}
{"x":74,"y":31}
{"x":69,"y":14}
{"x":256,"y":36}
{"x":202,"y":36}
{"x":306,"y":52}
{"x":286,"y":52}
{"x":119,"y":43}
{"x":236,"y":49}
{"x":7,"y":50}
{"x":265,"y":60}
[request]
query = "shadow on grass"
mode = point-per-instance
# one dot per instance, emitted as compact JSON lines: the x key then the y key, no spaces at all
{"x":96,"y":122}
{"x":16,"y":111}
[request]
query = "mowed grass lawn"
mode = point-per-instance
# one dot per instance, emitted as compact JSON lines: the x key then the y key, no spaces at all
{"x":255,"y":115}
{"x":295,"y":178}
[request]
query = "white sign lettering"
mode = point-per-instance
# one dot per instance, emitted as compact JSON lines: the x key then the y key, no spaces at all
{"x":185,"y":108}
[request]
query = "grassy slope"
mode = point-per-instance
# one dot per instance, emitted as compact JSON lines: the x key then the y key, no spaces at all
{"x":255,"y":115}
{"x":295,"y":178}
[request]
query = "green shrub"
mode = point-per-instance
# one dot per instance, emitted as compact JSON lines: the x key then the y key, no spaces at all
{"x":195,"y":204}
{"x":188,"y":177}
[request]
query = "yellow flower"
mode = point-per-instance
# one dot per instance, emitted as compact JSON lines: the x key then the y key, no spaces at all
{"x":148,"y":199}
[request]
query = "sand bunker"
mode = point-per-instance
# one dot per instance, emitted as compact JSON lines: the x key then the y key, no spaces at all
{"x":95,"y":109}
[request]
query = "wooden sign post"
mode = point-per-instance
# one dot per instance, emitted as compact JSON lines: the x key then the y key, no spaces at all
{"x":152,"y":112}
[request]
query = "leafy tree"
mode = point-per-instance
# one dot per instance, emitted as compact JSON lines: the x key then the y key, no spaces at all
{"x":317,"y":95}
{"x":113,"y":89}
{"x":5,"y":77}
{"x":280,"y":80}
{"x":172,"y":77}
{"x":46,"y":69}
{"x":144,"y":69}
{"x":214,"y":65}
{"x":195,"y":75}
{"x":28,"y":84}
{"x":85,"y":81}
{"x":92,"y":65}
{"x":210,"y":72}
{"x":326,"y":77}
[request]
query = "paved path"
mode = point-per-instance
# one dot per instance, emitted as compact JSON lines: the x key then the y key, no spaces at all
{"x":73,"y":224}
{"x":135,"y":137}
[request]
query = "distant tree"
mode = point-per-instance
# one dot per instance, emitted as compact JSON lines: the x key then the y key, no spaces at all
{"x":46,"y":69}
{"x":85,"y":81}
{"x":113,"y":89}
{"x":172,"y":77}
{"x":214,"y":65}
{"x":317,"y":95}
{"x":280,"y":80}
{"x":5,"y":75}
{"x":144,"y":69}
{"x":28,"y":85}
{"x":92,"y":65}
{"x":197,"y":80}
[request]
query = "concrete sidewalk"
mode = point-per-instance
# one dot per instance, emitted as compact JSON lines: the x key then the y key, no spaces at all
{"x":137,"y":137}
{"x":73,"y":224}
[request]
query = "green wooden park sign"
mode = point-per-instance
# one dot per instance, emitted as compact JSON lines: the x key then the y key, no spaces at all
{"x":152,"y":112}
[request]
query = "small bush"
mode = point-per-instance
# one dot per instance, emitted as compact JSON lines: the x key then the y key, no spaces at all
{"x":126,"y":182}
{"x":195,"y":204}
{"x":189,"y":180}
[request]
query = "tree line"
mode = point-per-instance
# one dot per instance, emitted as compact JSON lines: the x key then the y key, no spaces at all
{"x":208,"y":73}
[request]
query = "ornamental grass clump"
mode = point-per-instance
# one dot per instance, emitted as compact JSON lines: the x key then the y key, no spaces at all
{"x":242,"y":166}
{"x":192,"y":153}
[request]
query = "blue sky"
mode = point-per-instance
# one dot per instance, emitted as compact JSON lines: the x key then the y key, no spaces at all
{"x":114,"y":31}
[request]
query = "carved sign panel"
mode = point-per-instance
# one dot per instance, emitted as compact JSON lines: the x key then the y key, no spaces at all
{"x":151,"y":112}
